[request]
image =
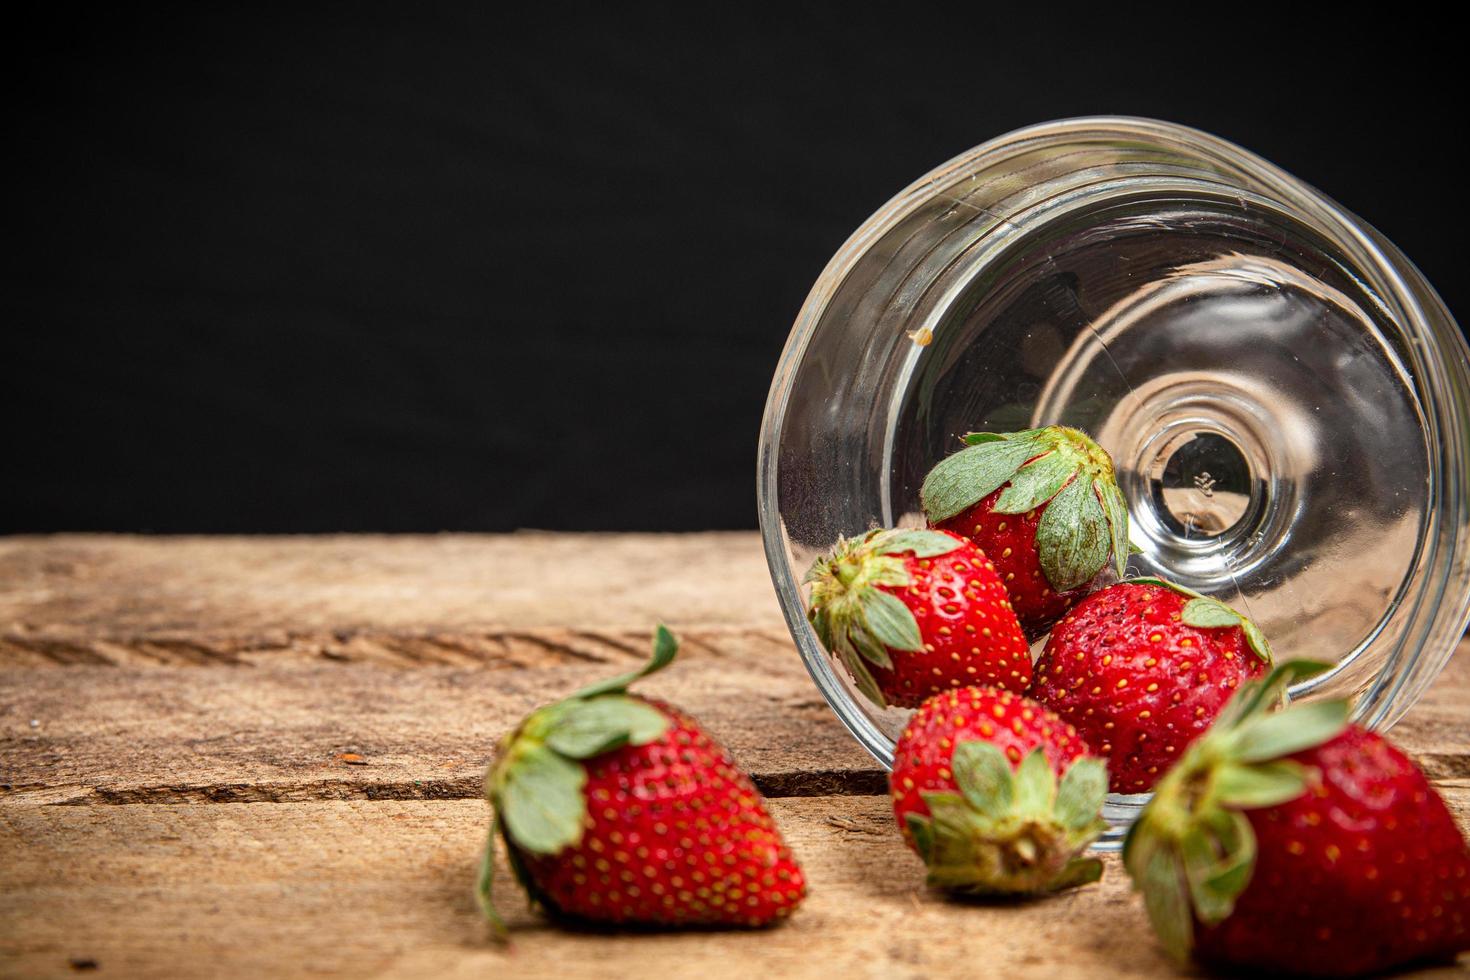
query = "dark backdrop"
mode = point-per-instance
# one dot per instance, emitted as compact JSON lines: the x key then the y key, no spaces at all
{"x":443,"y":268}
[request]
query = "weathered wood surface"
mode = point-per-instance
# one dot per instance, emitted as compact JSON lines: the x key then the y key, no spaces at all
{"x":360,"y":888}
{"x":182,"y":735}
{"x":81,"y":598}
{"x":173,"y":801}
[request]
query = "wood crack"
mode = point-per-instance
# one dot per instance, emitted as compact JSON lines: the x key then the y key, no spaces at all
{"x":823,"y":782}
{"x":1447,"y":771}
{"x":516,"y":649}
{"x":1444,"y":765}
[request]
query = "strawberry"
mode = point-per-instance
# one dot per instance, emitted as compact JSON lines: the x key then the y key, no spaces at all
{"x":1295,"y":843}
{"x":976,"y":791}
{"x":1142,"y":668}
{"x":619,"y":808}
{"x":1043,"y":504}
{"x":911,"y":613}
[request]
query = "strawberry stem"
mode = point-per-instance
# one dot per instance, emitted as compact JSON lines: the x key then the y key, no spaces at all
{"x":485,"y":881}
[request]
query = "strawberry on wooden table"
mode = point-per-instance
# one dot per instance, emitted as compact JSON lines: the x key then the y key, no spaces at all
{"x":1293,"y":842}
{"x":1142,"y":668}
{"x":997,"y":795}
{"x":911,"y":613}
{"x":1043,"y":504}
{"x":619,"y":808}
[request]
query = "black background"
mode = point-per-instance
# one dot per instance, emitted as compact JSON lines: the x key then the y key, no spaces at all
{"x":422,"y":268}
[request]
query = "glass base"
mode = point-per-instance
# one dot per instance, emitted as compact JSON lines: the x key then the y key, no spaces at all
{"x":1263,"y":424}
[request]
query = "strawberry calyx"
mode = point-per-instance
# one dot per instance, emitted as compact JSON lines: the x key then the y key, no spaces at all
{"x":1086,"y":518}
{"x":1206,"y":613}
{"x":1192,"y":850}
{"x":1011,"y":831}
{"x":858,"y":622}
{"x":535,"y":785}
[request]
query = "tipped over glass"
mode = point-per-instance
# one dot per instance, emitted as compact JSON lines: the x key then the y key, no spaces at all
{"x":1286,"y":399}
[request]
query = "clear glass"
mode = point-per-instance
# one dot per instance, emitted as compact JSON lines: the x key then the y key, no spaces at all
{"x":1285,"y":397}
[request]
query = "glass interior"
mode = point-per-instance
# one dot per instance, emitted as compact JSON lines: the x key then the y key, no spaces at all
{"x":1284,"y":396}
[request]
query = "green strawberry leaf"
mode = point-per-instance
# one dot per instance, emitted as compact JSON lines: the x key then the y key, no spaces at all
{"x":1037,"y":482}
{"x":1002,"y":833}
{"x":1086,"y":519}
{"x":1079,"y":871}
{"x":1116,"y":509}
{"x":1165,"y":583}
{"x":664,"y":648}
{"x":821,"y":621}
{"x":889,"y":621}
{"x":1072,"y":538}
{"x":1256,"y":640}
{"x":591,"y":727}
{"x":1080,"y":795}
{"x":1209,"y":614}
{"x":539,"y":799}
{"x":964,"y":478}
{"x":921,"y":828}
{"x":1218,"y":867}
{"x":1036,"y":786}
{"x":1194,"y":836}
{"x":485,"y":880}
{"x":980,"y":438}
{"x":951,"y":817}
{"x":1253,"y":696}
{"x":516,"y":858}
{"x":924,"y":544}
{"x":985,"y":777}
{"x":959,"y":858}
{"x":1248,"y":787}
{"x":887,"y":570}
{"x":863,"y":680}
{"x":861,"y":625}
{"x":1201,"y":864}
{"x":869,"y":649}
{"x":1135,"y":843}
{"x":544,"y":719}
{"x":1233,"y":872}
{"x":1166,"y":899}
{"x":1268,"y":737}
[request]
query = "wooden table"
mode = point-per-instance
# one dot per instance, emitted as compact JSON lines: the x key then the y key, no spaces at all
{"x":262,"y":757}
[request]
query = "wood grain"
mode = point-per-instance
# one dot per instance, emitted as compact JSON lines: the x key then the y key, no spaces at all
{"x":124,"y":735}
{"x":102,"y":599}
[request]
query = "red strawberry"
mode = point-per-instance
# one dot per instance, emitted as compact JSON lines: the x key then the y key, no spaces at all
{"x":1286,"y":843}
{"x":976,"y":793}
{"x":618,"y":808}
{"x":1142,"y":668}
{"x":912,"y":613}
{"x":1043,"y":504}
